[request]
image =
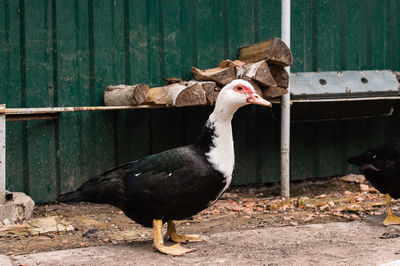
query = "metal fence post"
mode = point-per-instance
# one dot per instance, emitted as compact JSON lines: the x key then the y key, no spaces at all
{"x":285,"y":109}
{"x":2,"y":154}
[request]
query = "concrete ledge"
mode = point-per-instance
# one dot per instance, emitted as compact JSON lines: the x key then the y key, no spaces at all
{"x":18,"y":207}
{"x":5,"y":261}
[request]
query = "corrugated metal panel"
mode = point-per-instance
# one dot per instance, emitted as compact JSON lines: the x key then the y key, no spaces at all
{"x":64,"y":52}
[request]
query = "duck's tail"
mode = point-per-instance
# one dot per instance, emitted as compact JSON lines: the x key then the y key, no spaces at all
{"x":71,"y":197}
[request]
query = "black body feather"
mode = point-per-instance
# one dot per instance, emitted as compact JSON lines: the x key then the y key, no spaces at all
{"x":171,"y":185}
{"x":381,"y":166}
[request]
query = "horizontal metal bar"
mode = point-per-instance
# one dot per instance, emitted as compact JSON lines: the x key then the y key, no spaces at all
{"x":368,"y":83}
{"x":346,"y":99}
{"x":52,"y":110}
{"x":49,"y":110}
{"x":25,"y":117}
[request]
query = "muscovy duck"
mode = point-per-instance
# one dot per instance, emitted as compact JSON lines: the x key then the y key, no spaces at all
{"x":178,"y":183}
{"x":381,"y":166}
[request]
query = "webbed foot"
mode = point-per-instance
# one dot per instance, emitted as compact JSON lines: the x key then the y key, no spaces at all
{"x":174,"y":236}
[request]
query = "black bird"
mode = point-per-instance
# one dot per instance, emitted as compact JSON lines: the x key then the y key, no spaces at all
{"x":178,"y":183}
{"x":381,"y":166}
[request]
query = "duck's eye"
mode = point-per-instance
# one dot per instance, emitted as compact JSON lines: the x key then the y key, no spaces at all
{"x":239,"y":88}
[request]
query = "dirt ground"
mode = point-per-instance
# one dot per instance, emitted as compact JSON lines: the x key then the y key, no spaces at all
{"x":341,"y":243}
{"x":242,"y":213}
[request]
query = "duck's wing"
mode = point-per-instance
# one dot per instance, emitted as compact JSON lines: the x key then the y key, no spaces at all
{"x":113,"y":185}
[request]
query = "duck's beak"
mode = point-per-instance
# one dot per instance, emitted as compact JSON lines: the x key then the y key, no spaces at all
{"x":257,"y":99}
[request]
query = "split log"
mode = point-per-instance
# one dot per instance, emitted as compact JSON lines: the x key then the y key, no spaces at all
{"x":280,"y":75}
{"x":255,"y":86}
{"x":273,"y":92}
{"x":125,"y":95}
{"x":172,"y":80}
{"x":229,"y":63}
{"x":159,"y":95}
{"x":177,"y":94}
{"x":192,"y":95}
{"x":274,"y":51}
{"x":258,"y":72}
{"x":219,"y":75}
{"x":210,"y":88}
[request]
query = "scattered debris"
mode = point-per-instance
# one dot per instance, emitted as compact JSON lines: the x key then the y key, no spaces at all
{"x":129,"y":235}
{"x":40,"y":226}
{"x":364,"y":187}
{"x":49,"y":225}
{"x":394,"y":233}
{"x":353,"y":178}
{"x":90,"y":233}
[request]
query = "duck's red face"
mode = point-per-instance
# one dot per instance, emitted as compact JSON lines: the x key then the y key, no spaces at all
{"x":251,"y":95}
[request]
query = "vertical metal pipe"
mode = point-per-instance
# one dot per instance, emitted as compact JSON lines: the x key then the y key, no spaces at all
{"x":285,"y":109}
{"x":2,"y":155}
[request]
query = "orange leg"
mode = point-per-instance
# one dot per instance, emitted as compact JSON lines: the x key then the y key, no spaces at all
{"x":391,"y":218}
{"x":174,"y":236}
{"x":175,"y":250}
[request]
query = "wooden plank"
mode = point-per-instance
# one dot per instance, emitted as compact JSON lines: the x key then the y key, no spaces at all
{"x":69,"y":93}
{"x":391,"y":130}
{"x":84,"y":66}
{"x":269,"y":19}
{"x":139,"y":39}
{"x":302,"y":25}
{"x":4,"y":50}
{"x":39,"y":93}
{"x":240,"y":15}
{"x":395,"y":36}
{"x":13,"y":97}
{"x":245,"y":141}
{"x":155,"y":41}
{"x":195,"y":118}
{"x":269,"y":144}
{"x":328,"y":149}
{"x":188,"y":42}
{"x":379,"y":34}
{"x":355,"y":32}
{"x":302,"y":151}
{"x":168,"y":41}
{"x":137,"y":144}
{"x":239,"y":18}
{"x":102,"y":124}
{"x":3,"y":83}
{"x":136,"y":134}
{"x":2,"y":155}
{"x":356,"y":140}
{"x":121,"y":74}
{"x":328,"y":36}
{"x":378,"y":131}
{"x":209,"y":22}
{"x":168,"y":121}
{"x":172,"y":37}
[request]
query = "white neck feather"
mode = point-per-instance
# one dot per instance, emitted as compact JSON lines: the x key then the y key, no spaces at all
{"x":221,"y":154}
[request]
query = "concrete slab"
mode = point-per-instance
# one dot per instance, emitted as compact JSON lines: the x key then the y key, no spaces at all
{"x":5,"y":261}
{"x":351,"y":243}
{"x":38,"y":226}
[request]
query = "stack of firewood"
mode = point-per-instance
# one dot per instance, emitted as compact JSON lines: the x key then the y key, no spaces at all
{"x":261,"y":64}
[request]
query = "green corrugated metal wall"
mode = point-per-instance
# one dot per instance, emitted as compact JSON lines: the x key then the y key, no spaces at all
{"x":64,"y":53}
